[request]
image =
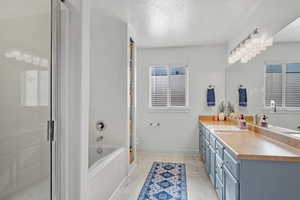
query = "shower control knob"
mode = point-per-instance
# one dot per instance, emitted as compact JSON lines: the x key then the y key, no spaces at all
{"x":100,"y":126}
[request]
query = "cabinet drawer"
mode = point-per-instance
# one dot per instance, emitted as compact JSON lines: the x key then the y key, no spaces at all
{"x":231,"y":164}
{"x":207,"y":159}
{"x":219,"y":168}
{"x":219,"y":188}
{"x":201,"y":129}
{"x":219,"y":149}
{"x":212,"y":174}
{"x":212,"y":140}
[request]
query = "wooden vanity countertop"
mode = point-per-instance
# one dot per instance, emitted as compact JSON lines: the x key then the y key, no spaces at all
{"x":249,"y":145}
{"x":252,"y":146}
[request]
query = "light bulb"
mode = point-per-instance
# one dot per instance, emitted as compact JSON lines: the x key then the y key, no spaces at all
{"x":15,"y":54}
{"x":19,"y":57}
{"x":269,"y":42}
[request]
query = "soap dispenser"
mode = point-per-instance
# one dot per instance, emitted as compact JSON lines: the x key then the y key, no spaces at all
{"x":264,"y":121}
{"x":243,"y":122}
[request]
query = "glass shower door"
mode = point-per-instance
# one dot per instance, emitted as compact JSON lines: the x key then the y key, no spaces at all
{"x":25,"y":105}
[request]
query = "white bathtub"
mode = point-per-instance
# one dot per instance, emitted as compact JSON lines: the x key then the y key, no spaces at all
{"x":106,"y":171}
{"x":96,"y":157}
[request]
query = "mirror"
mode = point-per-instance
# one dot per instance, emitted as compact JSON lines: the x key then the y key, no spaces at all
{"x":272,"y":82}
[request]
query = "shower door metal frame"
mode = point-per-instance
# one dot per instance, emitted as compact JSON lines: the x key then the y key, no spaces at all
{"x":53,"y":123}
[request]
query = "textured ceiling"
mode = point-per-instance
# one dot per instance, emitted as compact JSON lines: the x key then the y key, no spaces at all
{"x":188,"y":22}
{"x":164,"y":23}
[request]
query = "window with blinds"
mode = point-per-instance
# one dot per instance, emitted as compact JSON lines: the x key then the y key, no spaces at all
{"x":292,"y":96}
{"x":168,"y":86}
{"x":274,"y":85}
{"x":282,"y":85}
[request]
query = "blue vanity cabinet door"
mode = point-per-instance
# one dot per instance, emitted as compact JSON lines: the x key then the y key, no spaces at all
{"x":212,"y":140}
{"x":203,"y":150}
{"x":212,"y":174}
{"x":200,"y":140}
{"x":219,"y":149}
{"x":231,"y":186}
{"x":207,"y":135}
{"x":219,"y":168}
{"x":203,"y":145}
{"x":232,"y":164}
{"x":219,"y":188}
{"x":207,"y":157}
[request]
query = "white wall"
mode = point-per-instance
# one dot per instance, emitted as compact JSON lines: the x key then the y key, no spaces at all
{"x":108,"y":94}
{"x":178,"y":131}
{"x":251,"y":76}
{"x":74,"y":99}
{"x":108,"y":78}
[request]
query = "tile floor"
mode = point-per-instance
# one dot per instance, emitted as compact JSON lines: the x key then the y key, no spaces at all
{"x":198,"y":184}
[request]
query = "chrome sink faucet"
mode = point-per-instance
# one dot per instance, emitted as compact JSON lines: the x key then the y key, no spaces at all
{"x":99,"y":148}
{"x":258,"y":118}
{"x":273,"y":105}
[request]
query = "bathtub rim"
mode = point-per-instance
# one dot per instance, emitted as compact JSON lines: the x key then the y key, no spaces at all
{"x":95,"y":147}
{"x":103,"y":162}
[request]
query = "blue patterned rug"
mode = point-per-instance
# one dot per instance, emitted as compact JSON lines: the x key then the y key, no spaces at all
{"x":166,"y":181}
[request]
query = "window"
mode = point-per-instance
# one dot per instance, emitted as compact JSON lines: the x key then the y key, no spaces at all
{"x":168,"y":86}
{"x":282,"y":85}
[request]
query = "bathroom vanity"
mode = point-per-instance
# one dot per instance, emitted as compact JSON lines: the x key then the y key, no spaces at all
{"x":247,"y":165}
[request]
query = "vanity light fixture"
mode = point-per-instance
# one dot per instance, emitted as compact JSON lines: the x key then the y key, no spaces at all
{"x":254,"y":44}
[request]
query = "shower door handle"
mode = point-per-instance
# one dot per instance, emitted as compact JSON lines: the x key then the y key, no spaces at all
{"x":50,"y":130}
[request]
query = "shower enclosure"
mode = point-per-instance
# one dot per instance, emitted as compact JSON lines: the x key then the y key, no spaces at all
{"x":27,"y":99}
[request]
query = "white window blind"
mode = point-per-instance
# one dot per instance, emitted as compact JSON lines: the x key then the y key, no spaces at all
{"x":292,"y":97}
{"x":168,"y":86}
{"x":274,"y":85}
{"x":282,"y":83}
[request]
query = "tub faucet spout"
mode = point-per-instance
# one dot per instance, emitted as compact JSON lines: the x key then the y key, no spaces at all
{"x":99,"y":150}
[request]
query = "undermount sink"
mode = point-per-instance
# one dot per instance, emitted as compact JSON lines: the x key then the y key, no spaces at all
{"x":224,"y":128}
